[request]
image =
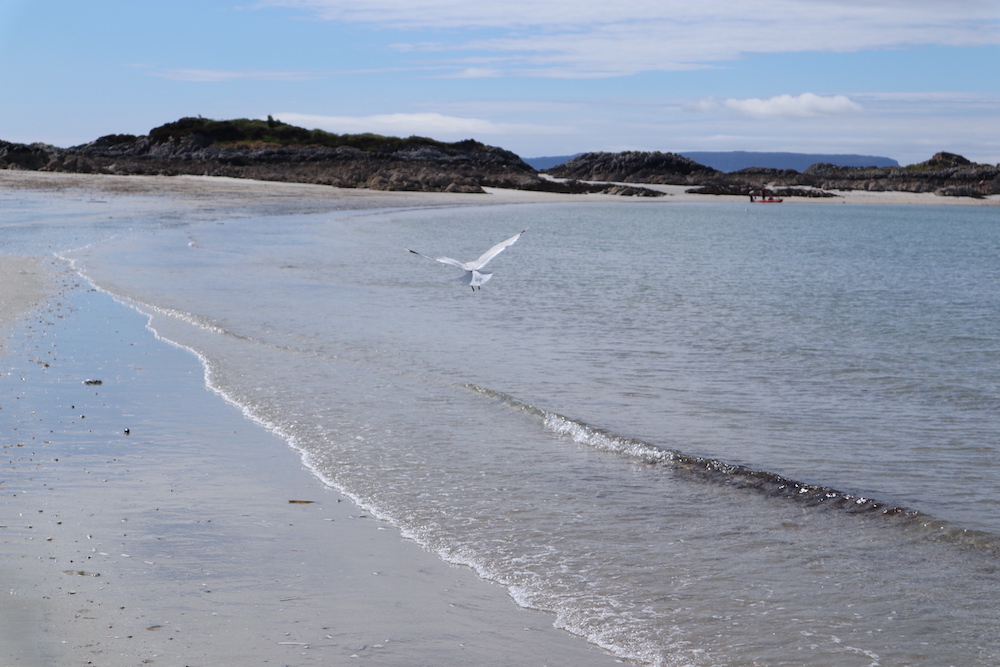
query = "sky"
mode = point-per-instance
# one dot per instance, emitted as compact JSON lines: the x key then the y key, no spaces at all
{"x":897,"y":78}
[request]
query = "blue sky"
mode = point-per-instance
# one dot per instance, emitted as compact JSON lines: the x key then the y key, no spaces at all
{"x":899,"y":78}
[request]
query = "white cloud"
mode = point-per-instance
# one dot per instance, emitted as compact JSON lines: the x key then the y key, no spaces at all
{"x":405,"y":124}
{"x":930,"y":16}
{"x":585,"y":38}
{"x":477,"y":73}
{"x":806,"y":105}
{"x":218,"y":76}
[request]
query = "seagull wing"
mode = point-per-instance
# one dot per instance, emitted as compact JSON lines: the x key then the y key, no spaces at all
{"x":444,"y":260}
{"x":491,"y":253}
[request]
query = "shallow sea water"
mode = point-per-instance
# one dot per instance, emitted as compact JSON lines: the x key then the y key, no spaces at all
{"x":698,"y":434}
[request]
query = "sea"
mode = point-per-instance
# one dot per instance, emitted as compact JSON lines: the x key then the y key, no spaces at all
{"x":696,"y":433}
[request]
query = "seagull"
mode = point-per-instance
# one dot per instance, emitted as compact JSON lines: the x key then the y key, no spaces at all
{"x":473,"y":277}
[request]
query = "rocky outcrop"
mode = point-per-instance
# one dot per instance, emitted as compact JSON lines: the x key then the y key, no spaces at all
{"x":945,"y":174}
{"x":636,"y":167}
{"x":275,"y":151}
{"x":743,"y":190}
{"x":21,"y":156}
{"x":444,"y":168}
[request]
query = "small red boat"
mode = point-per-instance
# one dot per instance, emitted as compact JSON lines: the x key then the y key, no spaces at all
{"x":769,"y":200}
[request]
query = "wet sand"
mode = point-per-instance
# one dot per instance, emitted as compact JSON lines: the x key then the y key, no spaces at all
{"x":197,"y":537}
{"x":24,"y":282}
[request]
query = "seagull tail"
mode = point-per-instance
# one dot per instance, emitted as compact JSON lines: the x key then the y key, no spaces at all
{"x":476,"y":278}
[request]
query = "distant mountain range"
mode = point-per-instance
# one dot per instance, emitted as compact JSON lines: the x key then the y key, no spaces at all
{"x":543,"y":163}
{"x":729,"y":161}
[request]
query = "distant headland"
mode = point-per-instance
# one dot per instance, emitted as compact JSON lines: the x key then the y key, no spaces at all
{"x":271,"y":150}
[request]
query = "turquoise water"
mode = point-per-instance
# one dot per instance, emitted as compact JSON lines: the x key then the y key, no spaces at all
{"x":699,"y":434}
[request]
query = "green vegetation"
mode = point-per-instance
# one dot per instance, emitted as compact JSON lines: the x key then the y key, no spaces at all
{"x":115,"y":139}
{"x":940,"y":161}
{"x":274,"y":132}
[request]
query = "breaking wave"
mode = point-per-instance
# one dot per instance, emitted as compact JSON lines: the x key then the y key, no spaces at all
{"x":773,"y":485}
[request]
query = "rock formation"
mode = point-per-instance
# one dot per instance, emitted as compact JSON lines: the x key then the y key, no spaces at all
{"x":636,"y":167}
{"x":944,"y":174}
{"x":275,"y":151}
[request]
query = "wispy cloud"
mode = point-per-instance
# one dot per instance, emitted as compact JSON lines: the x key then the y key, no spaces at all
{"x":406,"y":124}
{"x":929,"y":15}
{"x":582,"y":37}
{"x":476,"y":73}
{"x":218,"y":76}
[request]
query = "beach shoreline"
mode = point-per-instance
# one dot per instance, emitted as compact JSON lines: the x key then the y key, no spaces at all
{"x":197,"y":537}
{"x":215,"y":191}
{"x":152,"y":546}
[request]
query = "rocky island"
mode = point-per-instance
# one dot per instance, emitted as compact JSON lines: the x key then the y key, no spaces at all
{"x":945,"y":174}
{"x":270,"y":150}
{"x":275,"y":151}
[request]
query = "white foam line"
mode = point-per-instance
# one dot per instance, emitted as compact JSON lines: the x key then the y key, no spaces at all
{"x":609,"y":443}
{"x":150,"y":310}
{"x":520,"y":594}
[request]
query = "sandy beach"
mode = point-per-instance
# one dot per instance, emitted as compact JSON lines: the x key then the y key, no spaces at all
{"x":213,"y":192}
{"x":146,"y":521}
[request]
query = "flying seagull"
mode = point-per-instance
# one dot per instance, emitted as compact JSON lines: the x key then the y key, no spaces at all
{"x":473,"y":277}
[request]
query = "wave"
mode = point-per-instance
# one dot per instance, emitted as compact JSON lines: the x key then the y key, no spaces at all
{"x":690,"y":466}
{"x":770,"y":484}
